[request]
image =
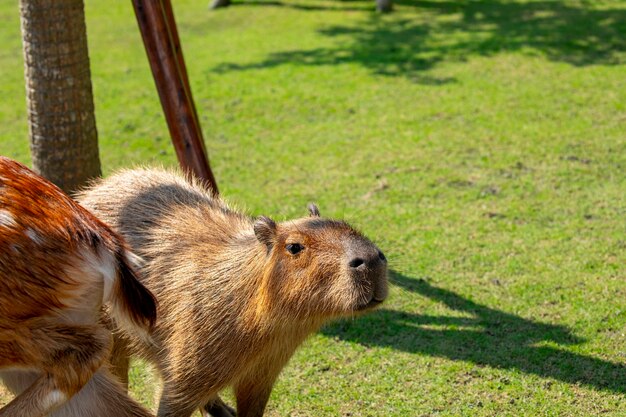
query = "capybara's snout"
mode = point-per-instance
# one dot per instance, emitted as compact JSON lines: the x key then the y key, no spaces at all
{"x":368,"y":266}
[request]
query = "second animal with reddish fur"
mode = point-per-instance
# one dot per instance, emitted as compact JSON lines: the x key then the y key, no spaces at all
{"x":58,"y":265}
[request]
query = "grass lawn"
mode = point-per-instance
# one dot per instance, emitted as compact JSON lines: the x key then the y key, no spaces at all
{"x":481,"y":144}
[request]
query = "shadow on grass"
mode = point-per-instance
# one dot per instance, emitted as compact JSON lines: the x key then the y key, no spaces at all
{"x":357,"y":5}
{"x":489,"y":337}
{"x":564,"y":31}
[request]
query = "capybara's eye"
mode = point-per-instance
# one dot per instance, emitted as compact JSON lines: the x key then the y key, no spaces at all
{"x":294,"y":248}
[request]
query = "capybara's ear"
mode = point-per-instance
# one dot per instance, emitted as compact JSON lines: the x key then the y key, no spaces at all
{"x":313,"y":210}
{"x":265,"y":231}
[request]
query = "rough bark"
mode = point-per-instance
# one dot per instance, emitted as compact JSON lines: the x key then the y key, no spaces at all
{"x":62,"y":125}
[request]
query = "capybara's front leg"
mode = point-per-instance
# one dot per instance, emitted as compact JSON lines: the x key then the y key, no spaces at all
{"x":217,"y":408}
{"x":252,"y":397}
{"x":174,"y":403}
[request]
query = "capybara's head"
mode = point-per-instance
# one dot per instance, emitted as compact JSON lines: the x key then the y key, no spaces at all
{"x":318,"y":267}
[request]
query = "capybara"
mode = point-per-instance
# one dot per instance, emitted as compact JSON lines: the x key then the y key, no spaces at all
{"x":237,"y":295}
{"x":58,"y":265}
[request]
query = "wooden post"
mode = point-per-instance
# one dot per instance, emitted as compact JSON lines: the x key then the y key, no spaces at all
{"x":160,"y":38}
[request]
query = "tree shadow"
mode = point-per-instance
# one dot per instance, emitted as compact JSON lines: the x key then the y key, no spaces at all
{"x":358,"y":5}
{"x":564,"y":31}
{"x":489,"y":337}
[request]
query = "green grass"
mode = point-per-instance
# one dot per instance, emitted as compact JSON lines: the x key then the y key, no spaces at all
{"x":481,"y":144}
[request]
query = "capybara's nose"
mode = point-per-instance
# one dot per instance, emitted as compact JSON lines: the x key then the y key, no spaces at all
{"x":356,"y":263}
{"x":367,"y":258}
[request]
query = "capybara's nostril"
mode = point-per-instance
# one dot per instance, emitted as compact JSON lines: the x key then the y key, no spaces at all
{"x":356,"y":262}
{"x":381,"y":256}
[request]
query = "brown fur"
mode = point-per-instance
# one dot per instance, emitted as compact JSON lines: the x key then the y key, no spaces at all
{"x":58,"y":264}
{"x":235,"y":303}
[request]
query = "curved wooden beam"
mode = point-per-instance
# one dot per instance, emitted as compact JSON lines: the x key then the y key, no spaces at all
{"x":160,"y":37}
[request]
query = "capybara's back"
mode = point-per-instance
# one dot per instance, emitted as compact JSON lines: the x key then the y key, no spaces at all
{"x":237,"y":295}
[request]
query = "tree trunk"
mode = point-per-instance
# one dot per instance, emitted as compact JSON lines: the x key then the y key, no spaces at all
{"x":384,"y":6}
{"x":216,"y":4}
{"x":62,"y":124}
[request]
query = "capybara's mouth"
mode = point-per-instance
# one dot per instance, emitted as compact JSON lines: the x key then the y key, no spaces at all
{"x":370,"y":304}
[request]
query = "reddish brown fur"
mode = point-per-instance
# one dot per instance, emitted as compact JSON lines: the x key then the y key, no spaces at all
{"x":235,"y":302}
{"x":58,"y":263}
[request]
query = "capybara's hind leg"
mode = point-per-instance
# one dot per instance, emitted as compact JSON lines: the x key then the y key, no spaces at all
{"x":66,"y":355}
{"x":120,"y":361}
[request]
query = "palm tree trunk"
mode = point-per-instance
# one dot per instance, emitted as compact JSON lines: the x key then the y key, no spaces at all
{"x":62,"y":125}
